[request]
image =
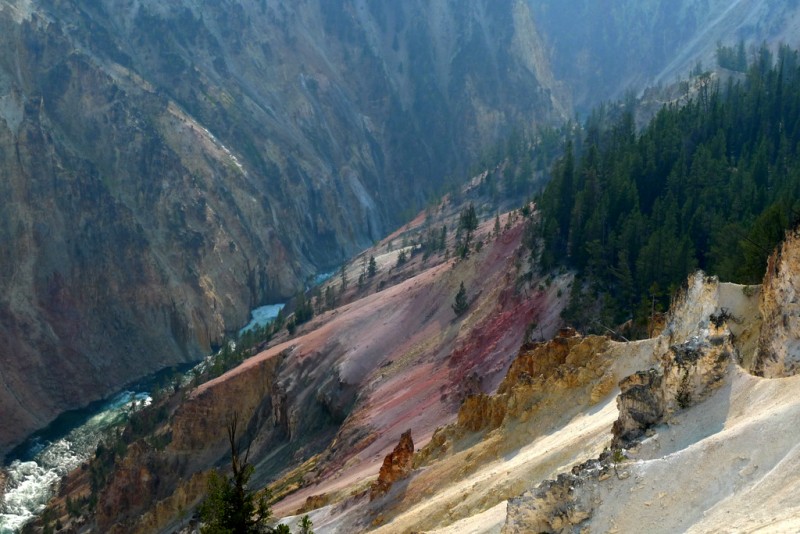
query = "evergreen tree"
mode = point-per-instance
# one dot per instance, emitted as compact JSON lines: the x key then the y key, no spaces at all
{"x":467,"y":224}
{"x":372,"y":269}
{"x":401,"y":258}
{"x":343,"y":278}
{"x":231,"y":507}
{"x":305,"y":525}
{"x":304,"y":311}
{"x":468,"y":220}
{"x":460,"y":303}
{"x":711,"y":184}
{"x":330,"y":298}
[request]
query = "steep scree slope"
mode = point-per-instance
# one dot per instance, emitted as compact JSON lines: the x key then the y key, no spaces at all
{"x":586,"y":434}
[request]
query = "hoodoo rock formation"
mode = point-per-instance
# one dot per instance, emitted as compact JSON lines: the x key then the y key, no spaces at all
{"x":396,"y":466}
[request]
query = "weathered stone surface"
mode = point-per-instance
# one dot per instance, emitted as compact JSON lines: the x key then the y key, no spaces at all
{"x":688,"y":371}
{"x":480,"y":412}
{"x":396,"y":466}
{"x":567,"y":363}
{"x":555,"y":506}
{"x":779,"y":343}
{"x":641,"y":404}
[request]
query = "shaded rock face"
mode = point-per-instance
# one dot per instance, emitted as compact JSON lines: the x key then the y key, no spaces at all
{"x":167,"y":166}
{"x":150,"y":487}
{"x":559,"y":505}
{"x":688,"y":373}
{"x":640,"y":403}
{"x":138,"y":481}
{"x":778,"y":352}
{"x":396,"y":466}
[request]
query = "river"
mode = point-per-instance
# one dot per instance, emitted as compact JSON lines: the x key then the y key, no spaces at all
{"x":34,"y":468}
{"x":262,"y":316}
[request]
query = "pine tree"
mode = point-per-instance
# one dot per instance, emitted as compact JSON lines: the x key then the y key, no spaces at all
{"x":343,"y":277}
{"x":372,"y":269}
{"x":460,"y":304}
{"x":305,"y":525}
{"x":330,"y":298}
{"x":468,"y":221}
{"x":230,"y":506}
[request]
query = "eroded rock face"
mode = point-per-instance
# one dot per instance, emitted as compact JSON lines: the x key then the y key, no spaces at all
{"x":569,"y":362}
{"x":199,"y":425}
{"x":641,"y":404}
{"x":695,"y":352}
{"x":557,"y":506}
{"x":688,"y":373}
{"x":167,"y":166}
{"x":779,"y":343}
{"x":396,"y":466}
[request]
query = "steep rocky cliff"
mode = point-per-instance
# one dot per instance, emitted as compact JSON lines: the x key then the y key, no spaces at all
{"x":778,"y":351}
{"x":167,"y":166}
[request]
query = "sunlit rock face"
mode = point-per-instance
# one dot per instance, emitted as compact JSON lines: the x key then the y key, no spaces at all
{"x":396,"y":466}
{"x":164,"y":167}
{"x":778,"y":352}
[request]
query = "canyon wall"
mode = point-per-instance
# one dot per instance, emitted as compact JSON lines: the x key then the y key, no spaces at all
{"x":165,"y":167}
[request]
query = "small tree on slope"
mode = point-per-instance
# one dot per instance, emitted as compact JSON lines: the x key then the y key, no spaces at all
{"x":460,"y":303}
{"x":230,"y":506}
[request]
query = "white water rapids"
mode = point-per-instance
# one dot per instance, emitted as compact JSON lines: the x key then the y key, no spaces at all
{"x":34,"y":477}
{"x":36,"y":468}
{"x":262,"y":316}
